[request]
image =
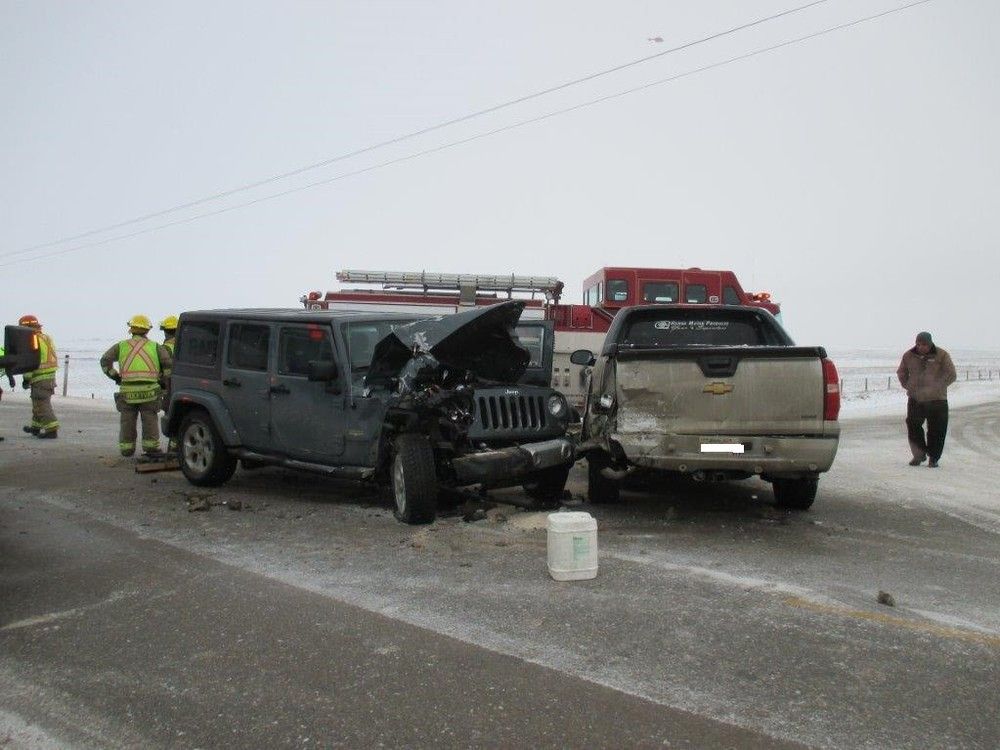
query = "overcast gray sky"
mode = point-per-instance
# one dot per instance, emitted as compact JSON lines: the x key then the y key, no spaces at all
{"x":854,"y":175}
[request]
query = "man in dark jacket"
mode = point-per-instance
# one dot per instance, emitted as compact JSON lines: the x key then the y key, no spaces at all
{"x":926,"y":372}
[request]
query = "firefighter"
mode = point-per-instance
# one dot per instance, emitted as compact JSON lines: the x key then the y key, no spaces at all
{"x":10,"y":378}
{"x":42,"y":383}
{"x":169,"y":327}
{"x":143,"y":367}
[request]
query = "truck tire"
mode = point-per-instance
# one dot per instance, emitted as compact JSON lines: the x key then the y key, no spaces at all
{"x":547,"y":486}
{"x":797,"y":494}
{"x":413,"y":479}
{"x":203,"y":456}
{"x":600,"y":489}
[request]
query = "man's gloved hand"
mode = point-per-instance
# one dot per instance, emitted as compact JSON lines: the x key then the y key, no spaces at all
{"x":117,"y":378}
{"x":25,"y":383}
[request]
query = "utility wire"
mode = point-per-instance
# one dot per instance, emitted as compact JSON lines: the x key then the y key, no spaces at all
{"x":480,"y":136}
{"x":415,"y":133}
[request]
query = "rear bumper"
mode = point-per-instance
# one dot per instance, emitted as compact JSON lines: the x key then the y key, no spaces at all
{"x":763,"y":454}
{"x":513,"y":463}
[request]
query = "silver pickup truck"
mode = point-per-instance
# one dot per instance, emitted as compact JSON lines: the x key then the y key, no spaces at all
{"x":713,"y":391}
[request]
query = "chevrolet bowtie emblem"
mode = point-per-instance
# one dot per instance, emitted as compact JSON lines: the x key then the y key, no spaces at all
{"x":718,"y":389}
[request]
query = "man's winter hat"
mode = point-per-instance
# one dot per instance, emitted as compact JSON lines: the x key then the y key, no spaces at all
{"x":924,"y":338}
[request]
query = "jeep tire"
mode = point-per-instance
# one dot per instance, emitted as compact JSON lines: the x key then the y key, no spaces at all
{"x":600,"y":489}
{"x":547,"y":486}
{"x":413,"y":479}
{"x":202,"y":454}
{"x":797,"y":494}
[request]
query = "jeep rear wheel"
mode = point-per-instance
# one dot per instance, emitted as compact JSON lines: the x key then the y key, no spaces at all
{"x":203,"y":456}
{"x":797,"y":494}
{"x":600,"y":489}
{"x":414,"y":480}
{"x":547,"y":486}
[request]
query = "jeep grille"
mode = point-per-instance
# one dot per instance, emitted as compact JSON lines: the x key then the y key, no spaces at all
{"x":501,"y":413}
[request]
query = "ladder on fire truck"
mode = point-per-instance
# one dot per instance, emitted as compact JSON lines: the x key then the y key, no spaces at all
{"x":468,"y":285}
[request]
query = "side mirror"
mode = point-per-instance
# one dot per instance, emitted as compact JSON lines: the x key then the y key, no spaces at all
{"x":322,"y":371}
{"x":583,"y":357}
{"x":21,"y":352}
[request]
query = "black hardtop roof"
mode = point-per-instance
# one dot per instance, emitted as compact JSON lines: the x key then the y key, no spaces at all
{"x":297,"y":315}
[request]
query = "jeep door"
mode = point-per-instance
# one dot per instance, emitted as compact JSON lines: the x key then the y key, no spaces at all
{"x":307,"y":417}
{"x":246,"y":383}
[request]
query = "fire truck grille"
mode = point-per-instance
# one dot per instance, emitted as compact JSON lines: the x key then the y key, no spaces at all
{"x":503,"y":413}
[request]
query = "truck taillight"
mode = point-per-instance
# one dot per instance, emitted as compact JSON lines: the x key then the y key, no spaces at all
{"x":831,"y":391}
{"x":313,"y":296}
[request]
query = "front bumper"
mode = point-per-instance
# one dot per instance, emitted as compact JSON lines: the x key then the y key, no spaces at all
{"x":763,"y":454}
{"x":507,"y":465}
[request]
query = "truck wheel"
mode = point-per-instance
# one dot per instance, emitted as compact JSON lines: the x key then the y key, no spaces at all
{"x":797,"y":494}
{"x":203,"y":456}
{"x":414,"y":481}
{"x":547,"y":486}
{"x":600,"y":489}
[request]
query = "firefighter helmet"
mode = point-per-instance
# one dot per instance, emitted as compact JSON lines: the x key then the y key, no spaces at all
{"x":29,"y":320}
{"x":139,"y":321}
{"x":169,"y":323}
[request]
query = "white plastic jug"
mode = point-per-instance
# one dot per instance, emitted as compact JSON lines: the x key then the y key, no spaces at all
{"x":572,"y":541}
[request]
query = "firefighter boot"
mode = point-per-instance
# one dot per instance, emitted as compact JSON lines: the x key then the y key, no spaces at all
{"x":50,"y":434}
{"x":31,"y":429}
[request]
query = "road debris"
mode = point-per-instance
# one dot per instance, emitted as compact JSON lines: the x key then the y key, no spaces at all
{"x":884,"y":597}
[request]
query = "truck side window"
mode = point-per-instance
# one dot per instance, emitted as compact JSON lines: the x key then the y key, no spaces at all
{"x":696,"y":293}
{"x":617,"y":290}
{"x":299,"y":346}
{"x":659,"y":291}
{"x":729,"y":296}
{"x":247,"y":349}
{"x":198,"y":343}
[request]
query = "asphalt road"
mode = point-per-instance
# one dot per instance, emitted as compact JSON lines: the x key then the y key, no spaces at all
{"x":311,"y":618}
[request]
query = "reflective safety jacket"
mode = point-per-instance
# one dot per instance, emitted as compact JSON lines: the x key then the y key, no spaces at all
{"x":47,"y":363}
{"x":169,"y":344}
{"x":142,"y":366}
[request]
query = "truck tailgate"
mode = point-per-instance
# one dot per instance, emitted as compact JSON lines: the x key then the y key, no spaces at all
{"x":722,"y":391}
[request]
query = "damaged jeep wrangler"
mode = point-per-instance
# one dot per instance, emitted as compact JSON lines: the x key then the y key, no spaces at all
{"x":417,"y":405}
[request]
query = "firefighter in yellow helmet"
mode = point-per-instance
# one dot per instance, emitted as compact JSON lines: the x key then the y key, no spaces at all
{"x":42,"y":383}
{"x":143,"y":367}
{"x":169,"y":327}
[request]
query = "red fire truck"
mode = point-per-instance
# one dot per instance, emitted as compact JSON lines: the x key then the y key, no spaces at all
{"x":571,"y":326}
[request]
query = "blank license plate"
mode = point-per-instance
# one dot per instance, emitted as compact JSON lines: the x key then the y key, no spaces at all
{"x":722,"y":448}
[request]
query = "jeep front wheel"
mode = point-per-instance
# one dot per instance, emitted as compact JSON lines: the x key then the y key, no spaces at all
{"x":547,"y":486}
{"x":203,"y":456}
{"x":414,"y":480}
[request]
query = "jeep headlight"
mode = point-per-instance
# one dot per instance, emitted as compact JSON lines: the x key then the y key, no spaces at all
{"x":556,"y":405}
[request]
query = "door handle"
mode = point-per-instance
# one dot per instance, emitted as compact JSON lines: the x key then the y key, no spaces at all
{"x":232,"y":382}
{"x":280,"y":388}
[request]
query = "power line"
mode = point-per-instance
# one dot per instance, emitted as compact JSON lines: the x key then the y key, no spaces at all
{"x":414,"y":134}
{"x":480,"y":136}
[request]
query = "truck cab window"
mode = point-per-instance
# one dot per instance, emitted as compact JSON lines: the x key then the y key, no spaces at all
{"x":696,"y":293}
{"x":617,"y":290}
{"x":729,"y":296}
{"x":659,"y":291}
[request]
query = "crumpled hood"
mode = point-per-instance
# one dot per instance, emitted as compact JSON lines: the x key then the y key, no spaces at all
{"x":480,"y":340}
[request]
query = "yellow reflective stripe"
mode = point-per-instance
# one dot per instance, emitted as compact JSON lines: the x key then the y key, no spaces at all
{"x":49,"y":360}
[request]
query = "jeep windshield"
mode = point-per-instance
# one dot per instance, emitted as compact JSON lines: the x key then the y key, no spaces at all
{"x":660,"y":329}
{"x":361,"y":337}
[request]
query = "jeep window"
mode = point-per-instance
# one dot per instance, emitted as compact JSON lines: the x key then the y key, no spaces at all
{"x":729,"y":296}
{"x":299,"y":346}
{"x":696,"y":293}
{"x":532,"y":338}
{"x":198,"y":343}
{"x":617,"y":290}
{"x":659,"y":291}
{"x":247,"y":348}
{"x":700,"y":328}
